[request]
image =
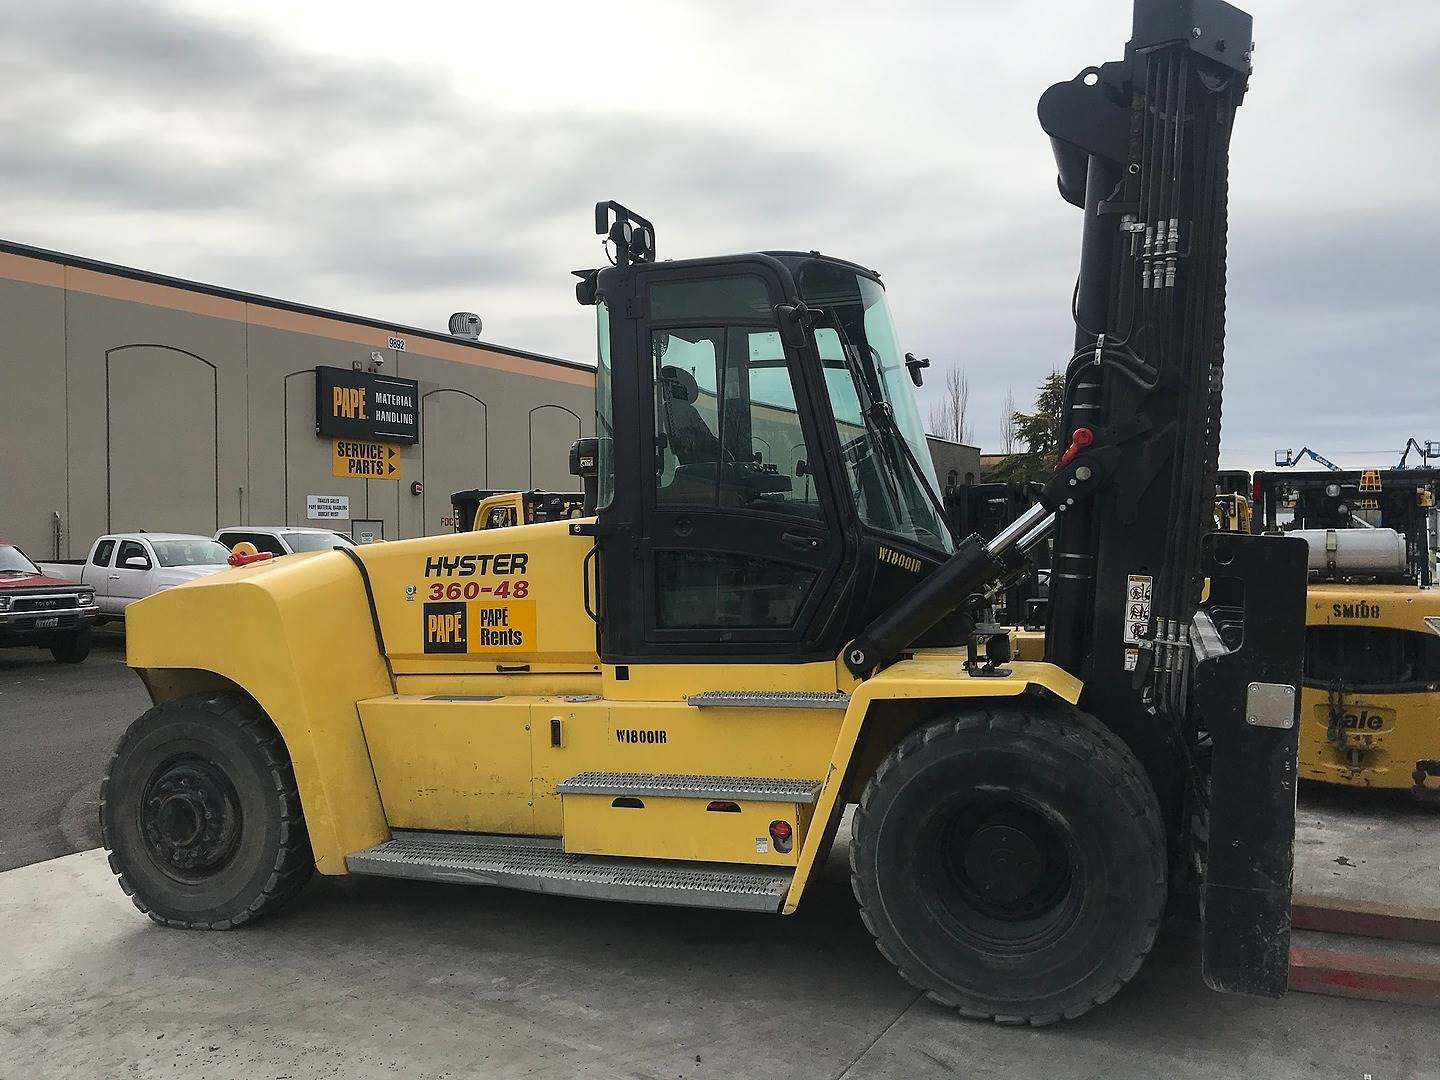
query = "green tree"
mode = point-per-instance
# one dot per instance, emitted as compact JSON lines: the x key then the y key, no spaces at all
{"x":1040,"y":433}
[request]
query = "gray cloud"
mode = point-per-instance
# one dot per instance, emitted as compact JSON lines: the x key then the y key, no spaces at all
{"x":206,"y":148}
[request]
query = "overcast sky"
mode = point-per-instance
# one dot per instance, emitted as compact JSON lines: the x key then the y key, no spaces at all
{"x":404,"y":161}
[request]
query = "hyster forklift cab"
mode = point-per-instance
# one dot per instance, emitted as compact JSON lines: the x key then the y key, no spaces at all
{"x":765,"y":622}
{"x":776,"y":497}
{"x":1370,"y":705}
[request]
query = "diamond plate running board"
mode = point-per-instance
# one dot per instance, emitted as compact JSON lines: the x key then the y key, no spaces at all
{"x":769,"y":699}
{"x":687,"y":786}
{"x":542,"y":866}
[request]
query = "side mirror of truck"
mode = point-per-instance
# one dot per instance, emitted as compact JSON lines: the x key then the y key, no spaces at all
{"x":136,"y":562}
{"x":915,"y":365}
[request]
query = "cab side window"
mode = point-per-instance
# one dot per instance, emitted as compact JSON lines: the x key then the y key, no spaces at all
{"x":131,"y":549}
{"x":727,"y":428}
{"x":102,"y":553}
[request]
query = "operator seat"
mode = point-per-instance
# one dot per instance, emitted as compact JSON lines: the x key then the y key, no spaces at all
{"x":691,"y":440}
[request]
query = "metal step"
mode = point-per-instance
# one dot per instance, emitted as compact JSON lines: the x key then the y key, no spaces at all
{"x":689,"y":786}
{"x":770,"y":699}
{"x":540,"y":865}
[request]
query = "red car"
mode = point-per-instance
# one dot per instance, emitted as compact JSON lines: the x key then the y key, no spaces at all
{"x":47,"y":612}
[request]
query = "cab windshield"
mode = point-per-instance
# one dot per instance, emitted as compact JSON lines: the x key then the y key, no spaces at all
{"x":887,"y":460}
{"x":190,"y":552}
{"x":13,"y":561}
{"x":316,"y":541}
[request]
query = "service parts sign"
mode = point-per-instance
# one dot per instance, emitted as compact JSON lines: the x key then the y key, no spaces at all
{"x":476,"y":604}
{"x":362,"y":405}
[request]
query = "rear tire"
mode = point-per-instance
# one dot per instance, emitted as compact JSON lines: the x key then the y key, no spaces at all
{"x":201,"y":815}
{"x":1010,"y":861}
{"x":73,"y":648}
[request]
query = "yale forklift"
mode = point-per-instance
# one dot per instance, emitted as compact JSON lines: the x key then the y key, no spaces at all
{"x":1370,"y":703}
{"x":675,"y":700}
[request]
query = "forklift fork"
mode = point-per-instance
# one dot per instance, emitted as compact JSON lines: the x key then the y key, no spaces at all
{"x":1247,"y":687}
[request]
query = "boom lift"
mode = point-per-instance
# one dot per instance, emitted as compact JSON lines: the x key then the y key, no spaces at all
{"x":675,"y":700}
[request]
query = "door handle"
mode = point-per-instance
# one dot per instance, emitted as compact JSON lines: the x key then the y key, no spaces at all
{"x":807,"y":540}
{"x":114,"y":577}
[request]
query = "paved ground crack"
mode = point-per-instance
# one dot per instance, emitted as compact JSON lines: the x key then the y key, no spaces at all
{"x":843,"y":1073}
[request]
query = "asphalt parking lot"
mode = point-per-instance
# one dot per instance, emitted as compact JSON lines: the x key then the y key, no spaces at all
{"x":59,"y":723}
{"x":372,"y":978}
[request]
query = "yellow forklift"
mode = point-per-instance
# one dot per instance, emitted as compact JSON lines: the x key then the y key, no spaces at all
{"x":1370,"y":707}
{"x":763,"y":621}
{"x":482,"y":508}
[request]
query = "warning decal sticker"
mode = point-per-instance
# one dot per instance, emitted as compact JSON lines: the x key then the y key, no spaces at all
{"x":1137,"y":608}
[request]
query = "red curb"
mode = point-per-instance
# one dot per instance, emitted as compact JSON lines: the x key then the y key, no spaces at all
{"x":1364,"y":919}
{"x":1357,"y":975}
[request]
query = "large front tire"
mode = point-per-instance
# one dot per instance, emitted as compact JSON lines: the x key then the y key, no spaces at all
{"x":1010,"y":861}
{"x":200,"y":813}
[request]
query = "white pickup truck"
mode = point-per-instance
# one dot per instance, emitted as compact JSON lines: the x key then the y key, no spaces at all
{"x":125,"y":567}
{"x":283,"y":539}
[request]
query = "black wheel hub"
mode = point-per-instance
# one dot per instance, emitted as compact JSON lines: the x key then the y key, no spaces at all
{"x":190,"y":819}
{"x":1003,"y":862}
{"x":1006,"y":876}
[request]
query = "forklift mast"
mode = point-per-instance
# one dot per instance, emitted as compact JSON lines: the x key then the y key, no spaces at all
{"x":1142,"y":147}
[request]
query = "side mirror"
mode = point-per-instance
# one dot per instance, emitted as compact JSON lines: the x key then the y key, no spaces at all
{"x":915,"y":365}
{"x":136,"y":562}
{"x":586,"y":287}
{"x":796,"y":321}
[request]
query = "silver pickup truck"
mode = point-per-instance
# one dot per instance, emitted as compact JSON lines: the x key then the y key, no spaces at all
{"x":125,"y":567}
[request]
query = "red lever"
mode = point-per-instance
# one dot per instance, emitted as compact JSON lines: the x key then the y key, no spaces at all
{"x":237,"y":559}
{"x":1082,"y":438}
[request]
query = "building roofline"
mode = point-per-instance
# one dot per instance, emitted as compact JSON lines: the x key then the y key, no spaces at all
{"x":96,"y":266}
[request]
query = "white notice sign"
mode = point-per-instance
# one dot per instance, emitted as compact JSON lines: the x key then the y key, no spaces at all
{"x":1137,"y":608}
{"x":327,"y":507}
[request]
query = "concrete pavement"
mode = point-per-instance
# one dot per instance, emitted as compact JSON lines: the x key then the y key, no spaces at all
{"x":366,"y":978}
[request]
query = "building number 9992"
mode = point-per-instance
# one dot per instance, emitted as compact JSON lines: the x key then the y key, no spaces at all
{"x":472,"y":590}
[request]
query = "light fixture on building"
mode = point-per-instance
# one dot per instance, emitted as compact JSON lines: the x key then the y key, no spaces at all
{"x":377,"y":361}
{"x":465,"y":324}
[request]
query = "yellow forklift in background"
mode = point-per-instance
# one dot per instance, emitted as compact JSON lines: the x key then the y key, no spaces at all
{"x":1370,"y":708}
{"x":765,"y":618}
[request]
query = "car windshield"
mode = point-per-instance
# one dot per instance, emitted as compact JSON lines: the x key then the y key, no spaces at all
{"x":13,"y":561}
{"x":316,"y":541}
{"x":887,"y":460}
{"x":197,"y":552}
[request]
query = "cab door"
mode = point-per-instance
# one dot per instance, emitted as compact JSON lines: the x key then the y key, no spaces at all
{"x":129,"y":577}
{"x":733,"y":542}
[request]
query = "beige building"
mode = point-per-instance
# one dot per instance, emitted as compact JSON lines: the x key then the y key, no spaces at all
{"x":956,"y":464}
{"x":134,"y":401}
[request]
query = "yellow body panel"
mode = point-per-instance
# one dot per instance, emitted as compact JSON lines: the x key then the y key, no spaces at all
{"x":295,"y":633}
{"x":495,"y":694}
{"x":670,"y":828}
{"x":1382,"y":734}
{"x":448,"y":764}
{"x":519,"y":590}
{"x":673,"y":737}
